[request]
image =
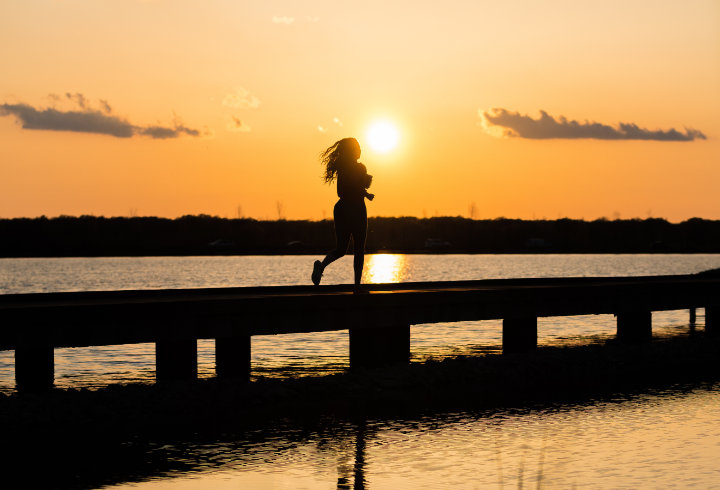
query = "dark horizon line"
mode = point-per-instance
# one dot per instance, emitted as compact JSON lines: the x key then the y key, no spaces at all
{"x":250,"y":218}
{"x":208,"y":235}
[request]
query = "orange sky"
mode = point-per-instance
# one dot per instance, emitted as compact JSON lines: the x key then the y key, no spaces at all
{"x":255,"y":90}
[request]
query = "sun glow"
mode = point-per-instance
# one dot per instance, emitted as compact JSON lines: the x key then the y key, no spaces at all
{"x":382,"y":136}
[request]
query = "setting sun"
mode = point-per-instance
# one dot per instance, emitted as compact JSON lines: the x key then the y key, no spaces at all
{"x":382,"y":136}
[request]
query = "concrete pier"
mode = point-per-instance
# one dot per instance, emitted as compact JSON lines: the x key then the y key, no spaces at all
{"x":378,"y":322}
{"x":379,"y":346}
{"x":712,"y":321}
{"x":634,"y":327}
{"x":519,"y":334}
{"x":34,"y":367}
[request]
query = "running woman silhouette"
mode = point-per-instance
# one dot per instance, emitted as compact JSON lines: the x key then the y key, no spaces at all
{"x":341,"y":164}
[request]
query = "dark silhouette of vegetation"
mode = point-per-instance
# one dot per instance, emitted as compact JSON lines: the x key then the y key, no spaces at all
{"x":208,"y":235}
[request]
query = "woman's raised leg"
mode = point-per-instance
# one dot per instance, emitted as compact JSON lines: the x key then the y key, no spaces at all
{"x":342,"y":240}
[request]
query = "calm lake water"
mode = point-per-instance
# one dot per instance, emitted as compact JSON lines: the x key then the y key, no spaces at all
{"x":655,"y":440}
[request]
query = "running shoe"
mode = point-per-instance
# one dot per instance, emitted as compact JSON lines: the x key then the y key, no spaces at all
{"x":317,"y":272}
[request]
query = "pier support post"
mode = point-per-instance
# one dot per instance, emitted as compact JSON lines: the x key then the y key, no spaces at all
{"x":34,"y":367}
{"x":519,"y":334}
{"x":712,"y":321}
{"x":175,"y":360}
{"x":379,"y":346}
{"x":634,"y":327}
{"x":232,"y":357}
{"x":693,"y":317}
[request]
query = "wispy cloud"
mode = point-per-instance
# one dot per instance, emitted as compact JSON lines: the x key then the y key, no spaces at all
{"x":105,"y":106}
{"x":86,"y":119}
{"x":236,"y":124}
{"x":513,"y":124}
{"x":79,"y":99}
{"x":241,"y":99}
{"x":324,"y":129}
{"x":283,"y":20}
{"x":78,"y":121}
{"x":162,"y":132}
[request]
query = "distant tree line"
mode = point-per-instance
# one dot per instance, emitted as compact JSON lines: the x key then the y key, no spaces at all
{"x":207,"y":235}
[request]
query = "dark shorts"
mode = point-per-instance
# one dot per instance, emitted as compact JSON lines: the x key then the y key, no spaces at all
{"x":350,"y":220}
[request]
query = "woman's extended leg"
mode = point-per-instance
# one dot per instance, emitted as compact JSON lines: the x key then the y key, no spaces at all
{"x":333,"y":255}
{"x":342,"y":240}
{"x":342,"y":235}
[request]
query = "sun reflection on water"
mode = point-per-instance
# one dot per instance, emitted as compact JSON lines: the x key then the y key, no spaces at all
{"x":384,"y":268}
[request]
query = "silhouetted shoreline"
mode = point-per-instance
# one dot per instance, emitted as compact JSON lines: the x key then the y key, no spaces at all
{"x":90,"y":236}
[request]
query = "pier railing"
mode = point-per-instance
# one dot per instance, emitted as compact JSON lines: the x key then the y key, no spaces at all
{"x":379,"y":322}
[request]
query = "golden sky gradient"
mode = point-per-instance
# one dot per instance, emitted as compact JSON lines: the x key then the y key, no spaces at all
{"x":246,"y":94}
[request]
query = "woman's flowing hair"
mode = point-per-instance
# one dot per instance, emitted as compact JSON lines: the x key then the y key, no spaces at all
{"x":346,"y":149}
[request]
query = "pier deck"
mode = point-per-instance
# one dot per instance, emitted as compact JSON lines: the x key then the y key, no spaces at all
{"x":379,"y":322}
